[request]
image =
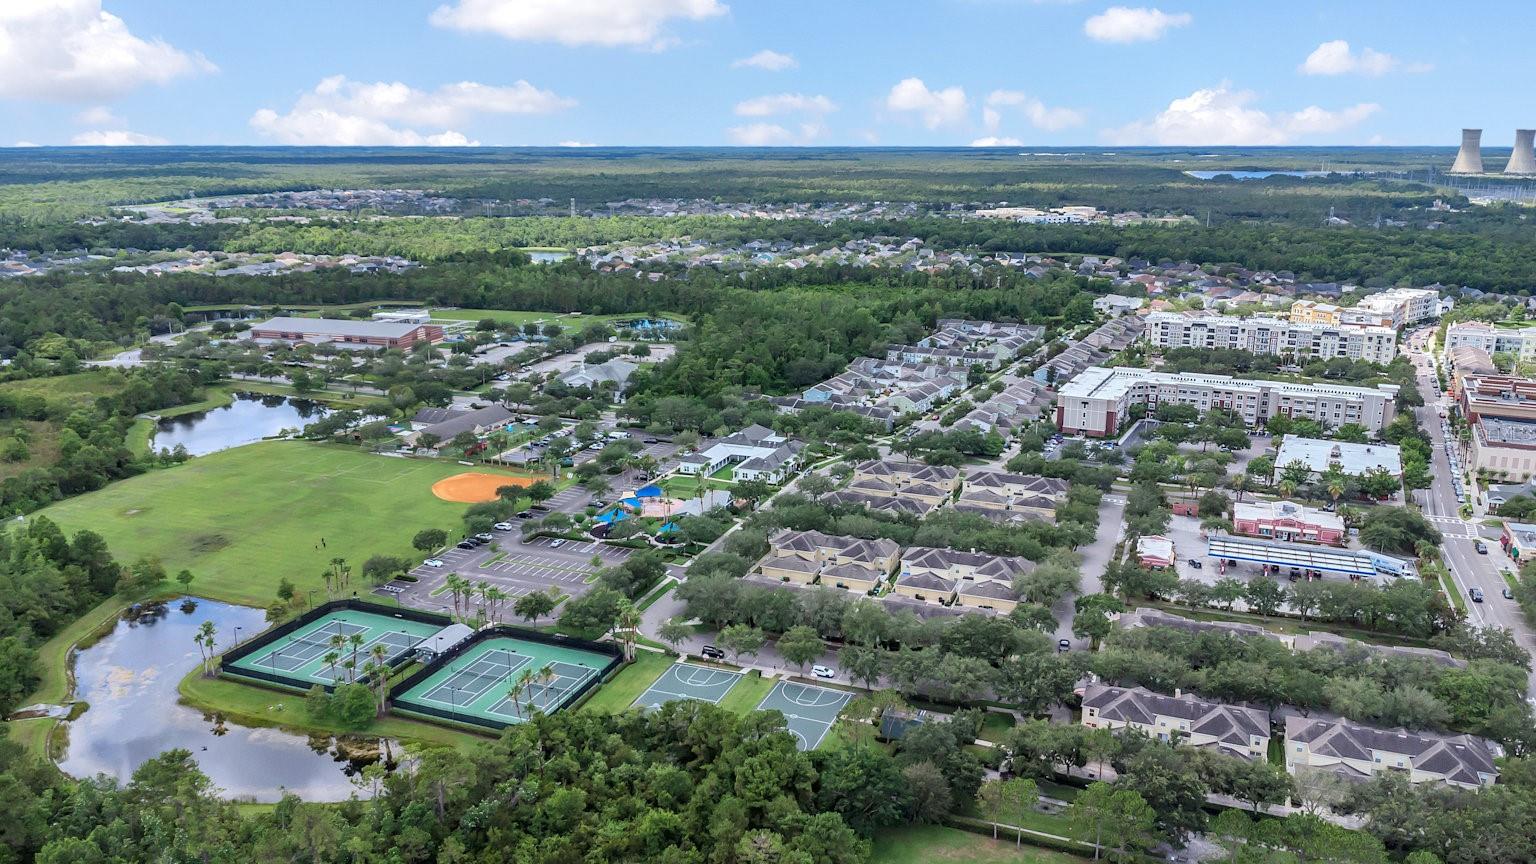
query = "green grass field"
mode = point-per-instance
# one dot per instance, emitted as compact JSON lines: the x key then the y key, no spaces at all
{"x":928,"y":844}
{"x":243,"y":519}
{"x":632,"y":680}
{"x":79,"y":389}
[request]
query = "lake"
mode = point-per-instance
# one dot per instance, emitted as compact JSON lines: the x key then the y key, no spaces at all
{"x":129,"y":679}
{"x":1254,"y":175}
{"x":548,"y":257}
{"x":246,"y":420}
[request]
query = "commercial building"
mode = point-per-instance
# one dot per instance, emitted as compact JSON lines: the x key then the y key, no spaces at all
{"x":1468,"y":360}
{"x":1519,"y":541}
{"x":1298,"y":560}
{"x":1283,"y":520}
{"x":1098,"y":401}
{"x":756,"y":452}
{"x":1261,"y":335}
{"x":1503,"y":396}
{"x":1358,"y":752}
{"x":347,"y":333}
{"x":1234,"y":730}
{"x":1404,"y":305}
{"x":1519,"y":341}
{"x":1503,"y":448}
{"x":1320,"y":455}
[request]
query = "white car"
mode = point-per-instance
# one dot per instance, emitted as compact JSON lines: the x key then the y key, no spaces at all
{"x":433,"y":562}
{"x":503,"y":526}
{"x":557,"y":543}
{"x":823,"y":672}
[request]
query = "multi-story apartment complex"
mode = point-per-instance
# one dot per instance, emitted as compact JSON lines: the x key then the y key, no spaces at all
{"x":1263,"y":335}
{"x":1404,"y":305}
{"x":1519,"y":341}
{"x":1098,"y":401}
{"x":1312,"y":312}
{"x":1357,"y":752}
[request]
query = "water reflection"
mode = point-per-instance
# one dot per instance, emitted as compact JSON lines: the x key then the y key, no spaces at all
{"x":249,"y":418}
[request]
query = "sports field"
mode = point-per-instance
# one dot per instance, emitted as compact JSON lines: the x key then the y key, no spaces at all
{"x":808,"y":710}
{"x":243,"y":519}
{"x":301,"y":655}
{"x":475,"y":487}
{"x":478,"y":685}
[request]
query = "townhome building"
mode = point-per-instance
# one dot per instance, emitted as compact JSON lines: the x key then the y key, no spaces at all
{"x":1358,"y":752}
{"x":1234,"y":730}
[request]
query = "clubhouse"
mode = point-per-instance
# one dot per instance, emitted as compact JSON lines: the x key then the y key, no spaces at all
{"x":346,"y":333}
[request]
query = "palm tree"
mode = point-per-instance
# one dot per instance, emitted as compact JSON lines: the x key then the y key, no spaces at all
{"x":355,"y":641}
{"x":546,"y":678}
{"x":331,"y":660}
{"x":379,"y":669}
{"x":206,"y":645}
{"x":525,"y":683}
{"x":626,"y":624}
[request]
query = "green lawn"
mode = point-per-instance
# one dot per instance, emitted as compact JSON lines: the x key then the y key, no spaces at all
{"x":747,"y":694}
{"x":629,"y":683}
{"x":243,"y":519}
{"x":928,"y":844}
{"x":79,"y":389}
{"x":258,"y":706}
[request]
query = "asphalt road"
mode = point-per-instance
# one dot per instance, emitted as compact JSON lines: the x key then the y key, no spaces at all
{"x":1469,"y":569}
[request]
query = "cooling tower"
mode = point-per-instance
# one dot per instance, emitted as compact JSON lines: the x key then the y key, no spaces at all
{"x":1523,"y":160}
{"x":1469,"y":159}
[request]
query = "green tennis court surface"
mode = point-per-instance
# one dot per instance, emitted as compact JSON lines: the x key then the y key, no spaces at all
{"x":481,"y":684}
{"x":810,"y":710}
{"x":301,"y":656}
{"x":688,"y":681}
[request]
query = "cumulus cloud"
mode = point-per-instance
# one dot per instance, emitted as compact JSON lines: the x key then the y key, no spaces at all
{"x":785,"y":103}
{"x":1337,"y":58}
{"x":774,"y":134}
{"x":1123,"y":24}
{"x":72,"y":51}
{"x":26,"y":144}
{"x":770,"y":61}
{"x":99,"y":115}
{"x":1222,"y":116}
{"x":995,"y":141}
{"x":1040,"y":115}
{"x":633,"y":23}
{"x":936,"y":108}
{"x":352,"y":113}
{"x":115,"y":138}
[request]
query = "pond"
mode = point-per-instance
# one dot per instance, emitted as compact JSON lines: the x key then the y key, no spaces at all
{"x":129,"y":678}
{"x":548,"y":257}
{"x":246,"y":420}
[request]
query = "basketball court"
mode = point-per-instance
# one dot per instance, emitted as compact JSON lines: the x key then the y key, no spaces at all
{"x":688,"y":681}
{"x":810,"y":710}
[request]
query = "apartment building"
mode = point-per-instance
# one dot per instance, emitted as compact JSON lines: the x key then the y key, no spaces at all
{"x":1098,"y":401}
{"x":1502,"y":396}
{"x":850,"y":563}
{"x":1519,"y":341}
{"x":1313,"y":312}
{"x":1358,"y":752}
{"x":1262,"y":335}
{"x":1234,"y":730}
{"x":1404,"y":305}
{"x":963,"y":578}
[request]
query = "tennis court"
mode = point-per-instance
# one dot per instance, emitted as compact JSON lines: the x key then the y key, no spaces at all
{"x":501,"y":680}
{"x":348,"y":635}
{"x":810,"y":710}
{"x":688,"y":681}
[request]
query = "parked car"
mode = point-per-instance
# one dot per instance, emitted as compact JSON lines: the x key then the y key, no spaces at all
{"x":465,"y":544}
{"x":712,"y":652}
{"x":1480,"y":546}
{"x":525,"y":514}
{"x":649,"y":440}
{"x":1476,"y":594}
{"x":1508,"y":594}
{"x":484,"y":537}
{"x":503,"y":526}
{"x":433,"y":562}
{"x":1195,"y":563}
{"x":823,"y":672}
{"x":557,"y":543}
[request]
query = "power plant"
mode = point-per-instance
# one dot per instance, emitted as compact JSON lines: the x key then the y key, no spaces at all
{"x":1523,"y":160}
{"x":1469,"y":159}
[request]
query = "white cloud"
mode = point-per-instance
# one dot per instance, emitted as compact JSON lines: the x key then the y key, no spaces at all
{"x":350,"y":113}
{"x":785,"y":103}
{"x":1124,"y":24}
{"x":937,"y":108}
{"x":995,"y":141}
{"x":99,"y":115}
{"x":1038,"y":113}
{"x":1337,"y":58}
{"x":574,"y":143}
{"x":636,"y":23}
{"x":774,"y":135}
{"x":1222,"y":116}
{"x":26,"y":144}
{"x":767,"y":60}
{"x":115,"y":138}
{"x":72,"y":51}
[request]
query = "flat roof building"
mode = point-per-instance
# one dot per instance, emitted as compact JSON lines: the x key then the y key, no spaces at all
{"x":1300,"y":341}
{"x":1519,"y":341}
{"x":1353,"y":459}
{"x":346,"y":332}
{"x":1098,"y":401}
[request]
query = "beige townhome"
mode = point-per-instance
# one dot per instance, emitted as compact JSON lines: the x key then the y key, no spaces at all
{"x":805,"y":556}
{"x":926,"y":587}
{"x":1235,"y":730}
{"x":1358,"y":752}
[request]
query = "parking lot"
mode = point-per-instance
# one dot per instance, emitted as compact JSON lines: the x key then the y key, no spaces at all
{"x":514,"y":566}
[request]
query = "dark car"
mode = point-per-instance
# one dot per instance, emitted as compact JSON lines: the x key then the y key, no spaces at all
{"x":525,"y":514}
{"x":1063,"y":644}
{"x":1481,"y":547}
{"x":712,"y":652}
{"x":650,"y":441}
{"x":465,"y":544}
{"x":1508,"y":594}
{"x":1476,"y":594}
{"x":1195,"y":564}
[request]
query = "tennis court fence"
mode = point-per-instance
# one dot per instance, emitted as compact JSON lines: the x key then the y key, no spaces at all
{"x":266,"y":638}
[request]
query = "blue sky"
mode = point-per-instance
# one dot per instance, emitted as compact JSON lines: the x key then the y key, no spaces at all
{"x":695,"y":72}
